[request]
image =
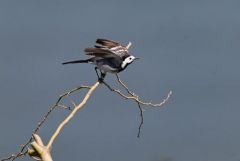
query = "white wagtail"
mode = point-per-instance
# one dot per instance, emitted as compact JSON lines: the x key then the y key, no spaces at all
{"x":108,"y":56}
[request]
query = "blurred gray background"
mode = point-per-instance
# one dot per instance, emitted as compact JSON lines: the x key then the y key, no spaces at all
{"x":189,"y":46}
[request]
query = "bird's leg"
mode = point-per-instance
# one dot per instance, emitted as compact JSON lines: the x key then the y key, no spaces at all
{"x":102,"y":77}
{"x":97,"y":72}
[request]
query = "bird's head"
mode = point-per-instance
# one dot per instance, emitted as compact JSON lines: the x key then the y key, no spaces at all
{"x":128,"y":60}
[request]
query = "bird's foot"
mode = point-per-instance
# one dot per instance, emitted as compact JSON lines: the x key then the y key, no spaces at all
{"x":100,"y":80}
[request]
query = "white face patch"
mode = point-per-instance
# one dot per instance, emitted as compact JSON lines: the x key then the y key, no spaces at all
{"x":128,"y":60}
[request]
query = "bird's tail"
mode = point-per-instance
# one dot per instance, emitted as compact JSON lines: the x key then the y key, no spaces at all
{"x":77,"y":61}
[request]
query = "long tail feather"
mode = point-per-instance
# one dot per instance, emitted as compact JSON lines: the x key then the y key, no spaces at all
{"x":76,"y":61}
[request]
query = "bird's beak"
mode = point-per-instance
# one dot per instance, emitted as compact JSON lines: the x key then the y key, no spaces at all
{"x":137,"y":58}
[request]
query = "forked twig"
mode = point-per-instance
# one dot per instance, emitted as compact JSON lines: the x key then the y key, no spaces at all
{"x":135,"y":97}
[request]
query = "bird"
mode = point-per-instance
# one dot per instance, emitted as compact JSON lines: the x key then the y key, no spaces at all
{"x":108,"y":56}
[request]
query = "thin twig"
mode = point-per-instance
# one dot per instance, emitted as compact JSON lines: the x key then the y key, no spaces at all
{"x":135,"y":97}
{"x":139,"y":106}
{"x":124,"y":85}
{"x":141,"y":122}
{"x":73,"y":103}
{"x":64,"y":106}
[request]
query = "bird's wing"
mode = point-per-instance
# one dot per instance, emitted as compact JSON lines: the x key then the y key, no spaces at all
{"x":107,"y":43}
{"x":107,"y":48}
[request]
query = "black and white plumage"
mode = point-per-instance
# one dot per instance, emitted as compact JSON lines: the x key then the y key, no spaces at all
{"x":108,"y":56}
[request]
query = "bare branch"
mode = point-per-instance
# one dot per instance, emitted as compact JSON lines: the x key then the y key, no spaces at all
{"x":135,"y":97}
{"x":70,"y":116}
{"x":23,"y":151}
{"x":40,"y":151}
